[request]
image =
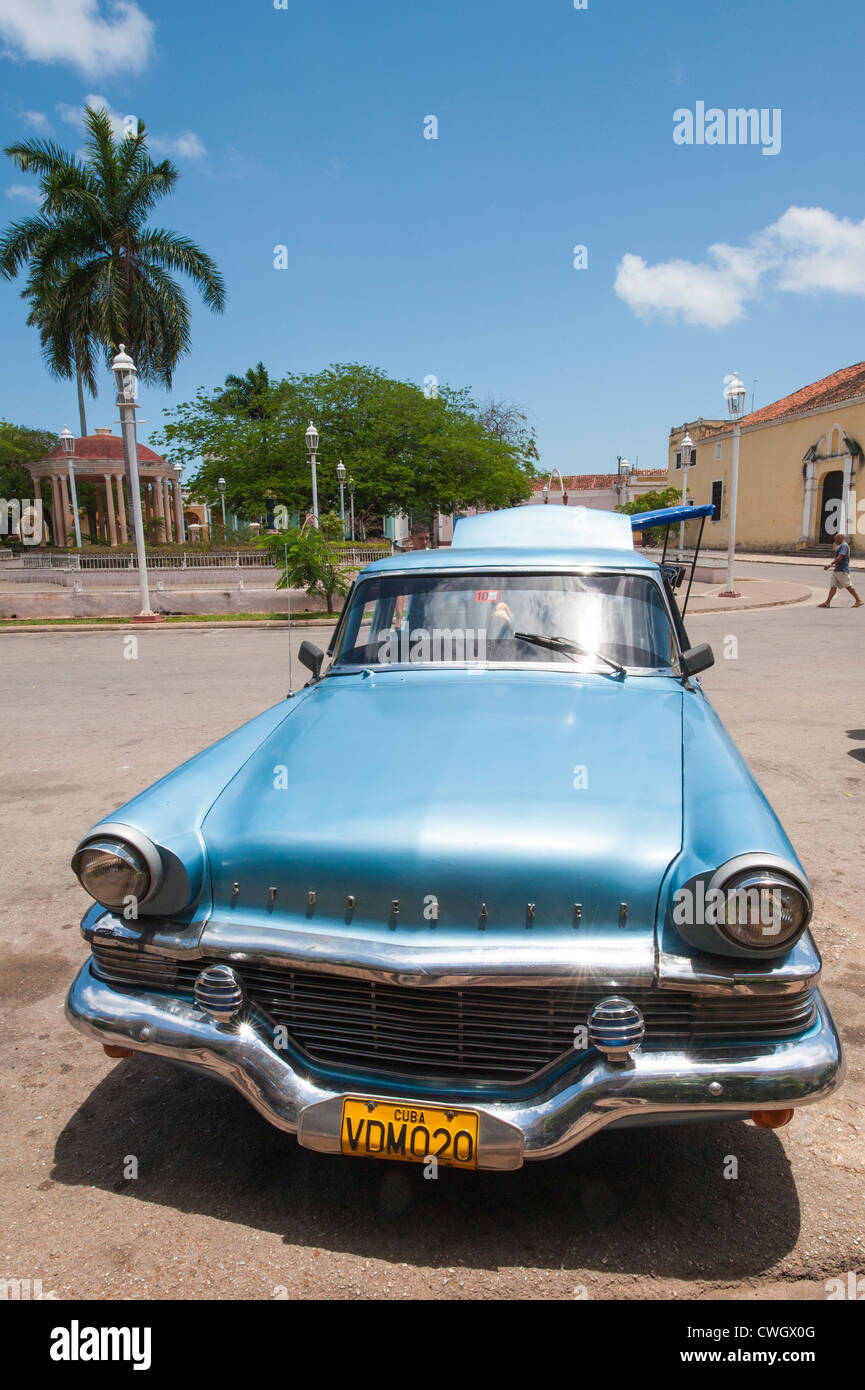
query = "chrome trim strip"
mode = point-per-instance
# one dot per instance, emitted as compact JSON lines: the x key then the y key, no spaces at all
{"x":590,"y":1095}
{"x":797,"y":971}
{"x":603,"y":958}
{"x":156,"y":934}
{"x":618,"y":961}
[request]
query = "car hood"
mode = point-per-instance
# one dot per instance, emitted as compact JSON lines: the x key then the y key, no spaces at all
{"x":469,"y":790}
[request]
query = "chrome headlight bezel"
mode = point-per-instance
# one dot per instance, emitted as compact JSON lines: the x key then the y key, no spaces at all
{"x":134,"y":850}
{"x":762,"y":874}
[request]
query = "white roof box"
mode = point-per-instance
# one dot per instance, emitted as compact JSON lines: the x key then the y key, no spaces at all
{"x":541,"y":527}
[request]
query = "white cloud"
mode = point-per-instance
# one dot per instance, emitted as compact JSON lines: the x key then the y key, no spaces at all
{"x":26,"y":192}
{"x":38,"y":121}
{"x":807,"y":250}
{"x":711,"y":294}
{"x":92,"y":35}
{"x":818,"y":251}
{"x":74,"y":115}
{"x":186,"y":145}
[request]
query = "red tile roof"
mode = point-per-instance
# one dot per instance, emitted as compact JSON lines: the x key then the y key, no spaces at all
{"x":830,"y":390}
{"x":103,"y":448}
{"x":586,"y":482}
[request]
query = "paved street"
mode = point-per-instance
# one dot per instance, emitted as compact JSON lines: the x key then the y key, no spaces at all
{"x":224,"y":1205}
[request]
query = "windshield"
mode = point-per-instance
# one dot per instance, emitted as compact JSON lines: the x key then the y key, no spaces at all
{"x":443,"y":618}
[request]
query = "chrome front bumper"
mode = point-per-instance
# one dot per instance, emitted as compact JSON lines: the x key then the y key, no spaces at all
{"x":590,"y":1095}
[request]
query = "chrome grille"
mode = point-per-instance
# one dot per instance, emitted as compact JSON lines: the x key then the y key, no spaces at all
{"x":500,"y":1033}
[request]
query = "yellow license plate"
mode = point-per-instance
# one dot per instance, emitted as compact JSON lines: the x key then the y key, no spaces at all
{"x":409,"y":1133}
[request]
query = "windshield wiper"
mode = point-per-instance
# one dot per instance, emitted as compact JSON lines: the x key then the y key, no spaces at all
{"x":561,"y":644}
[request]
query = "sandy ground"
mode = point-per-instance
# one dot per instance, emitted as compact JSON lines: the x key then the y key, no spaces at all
{"x":225,"y":1206}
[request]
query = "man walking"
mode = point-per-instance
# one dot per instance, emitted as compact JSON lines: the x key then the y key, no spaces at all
{"x":840,"y":567}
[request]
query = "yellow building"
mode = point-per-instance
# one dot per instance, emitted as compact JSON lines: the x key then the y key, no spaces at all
{"x":798,"y":461}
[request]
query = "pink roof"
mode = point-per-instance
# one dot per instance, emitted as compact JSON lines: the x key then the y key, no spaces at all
{"x":103,"y":448}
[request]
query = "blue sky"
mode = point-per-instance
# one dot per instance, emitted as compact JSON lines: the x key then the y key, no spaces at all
{"x":303,"y":126}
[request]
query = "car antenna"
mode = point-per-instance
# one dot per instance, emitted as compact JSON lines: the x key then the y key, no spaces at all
{"x":288,"y":596}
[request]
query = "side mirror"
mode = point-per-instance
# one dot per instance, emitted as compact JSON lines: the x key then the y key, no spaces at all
{"x":311,"y":657}
{"x":696,"y":659}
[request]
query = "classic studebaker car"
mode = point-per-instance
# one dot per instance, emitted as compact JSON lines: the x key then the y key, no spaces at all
{"x":494,"y":879}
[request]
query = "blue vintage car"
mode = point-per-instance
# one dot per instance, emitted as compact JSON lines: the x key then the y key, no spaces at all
{"x":494,"y":879}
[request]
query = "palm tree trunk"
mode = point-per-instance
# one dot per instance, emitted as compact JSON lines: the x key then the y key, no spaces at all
{"x":81,"y":412}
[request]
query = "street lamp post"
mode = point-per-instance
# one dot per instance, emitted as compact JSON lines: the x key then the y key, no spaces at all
{"x":67,"y":439}
{"x":312,"y":449}
{"x":340,"y":473}
{"x":351,"y":504}
{"x":220,"y":483}
{"x":686,"y":446}
{"x":734,"y":393}
{"x":624,"y":475}
{"x":126,"y":381}
{"x":546,"y":494}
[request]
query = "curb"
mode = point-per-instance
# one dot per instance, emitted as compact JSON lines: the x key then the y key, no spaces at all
{"x":792,"y":594}
{"x":129,"y":625}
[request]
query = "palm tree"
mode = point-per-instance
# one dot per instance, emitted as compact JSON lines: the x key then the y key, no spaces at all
{"x":247,"y":394}
{"x":98,"y":275}
{"x":67,"y":345}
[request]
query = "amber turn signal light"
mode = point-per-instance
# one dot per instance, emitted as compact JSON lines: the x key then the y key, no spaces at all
{"x":111,"y":1051}
{"x":771,"y":1119}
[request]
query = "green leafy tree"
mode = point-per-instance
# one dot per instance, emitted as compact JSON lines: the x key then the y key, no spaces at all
{"x":652,"y":501}
{"x":98,"y":274}
{"x":20,"y":445}
{"x":405,"y":451}
{"x":308,"y":562}
{"x":331,"y":527}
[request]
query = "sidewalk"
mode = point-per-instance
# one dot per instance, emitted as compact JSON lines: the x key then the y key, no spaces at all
{"x":755,"y":593}
{"x":857,"y":562}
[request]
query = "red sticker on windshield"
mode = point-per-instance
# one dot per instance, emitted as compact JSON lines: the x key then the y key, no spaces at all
{"x":486,"y":596}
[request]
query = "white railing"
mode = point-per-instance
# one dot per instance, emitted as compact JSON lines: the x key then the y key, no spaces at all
{"x":207,"y":559}
{"x":362,"y":554}
{"x":224,"y":559}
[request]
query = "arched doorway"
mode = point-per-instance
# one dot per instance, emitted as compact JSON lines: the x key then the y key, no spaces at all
{"x":830,"y":504}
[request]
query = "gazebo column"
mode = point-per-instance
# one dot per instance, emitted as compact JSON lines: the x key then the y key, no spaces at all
{"x":121,"y":511}
{"x":100,"y":518}
{"x":178,"y":511}
{"x":62,"y":524}
{"x":109,"y":498}
{"x":157,"y":504}
{"x":67,"y":508}
{"x":57,"y":511}
{"x":166,"y":518}
{"x":166,"y":492}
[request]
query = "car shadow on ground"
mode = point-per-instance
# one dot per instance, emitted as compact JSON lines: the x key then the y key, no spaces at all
{"x":648,"y":1201}
{"x":857,"y":753}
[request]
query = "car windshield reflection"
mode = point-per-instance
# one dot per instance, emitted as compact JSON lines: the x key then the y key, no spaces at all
{"x":445,"y":619}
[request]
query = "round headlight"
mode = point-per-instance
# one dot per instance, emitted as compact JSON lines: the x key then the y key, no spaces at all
{"x":763,"y":910}
{"x":112,"y":872}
